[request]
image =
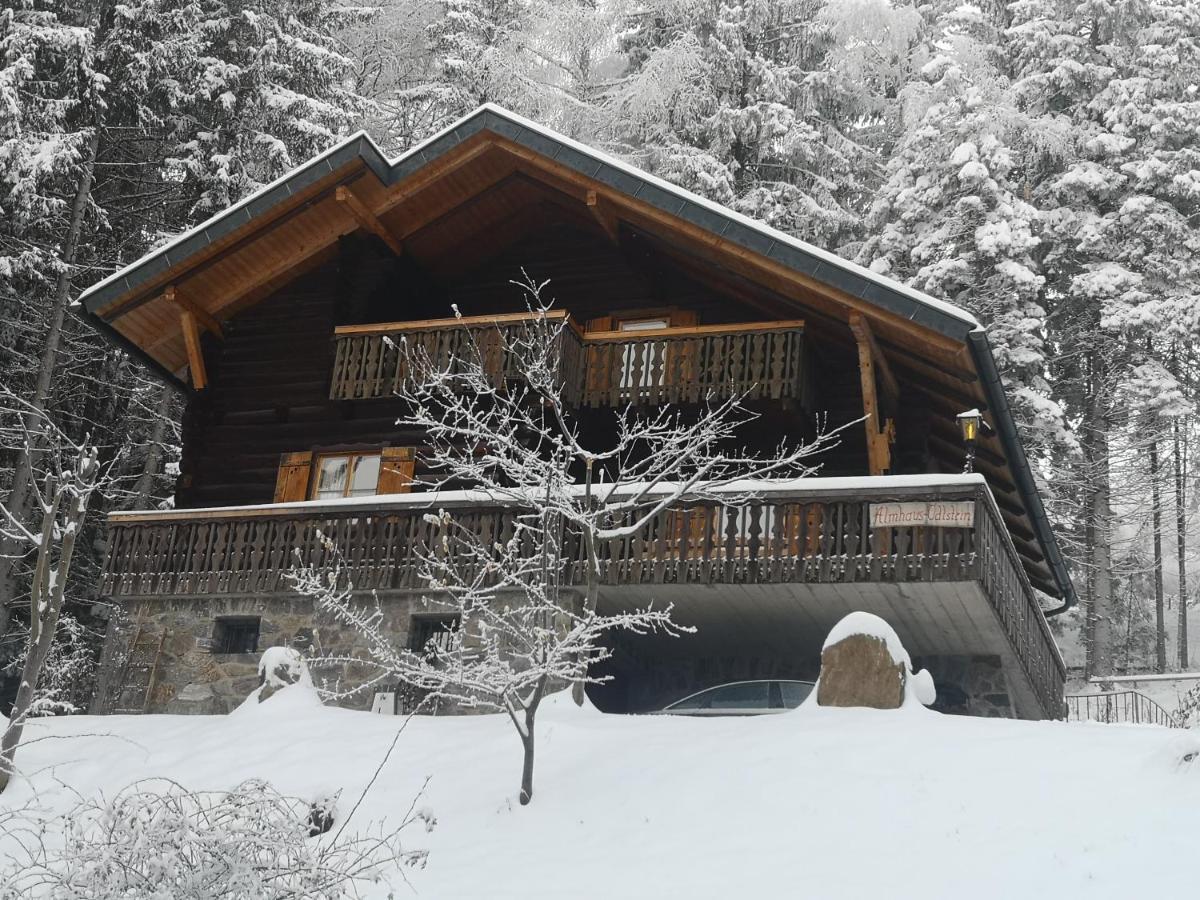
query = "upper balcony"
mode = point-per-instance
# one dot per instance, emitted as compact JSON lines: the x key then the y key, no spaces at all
{"x":644,"y":363}
{"x":928,"y":552}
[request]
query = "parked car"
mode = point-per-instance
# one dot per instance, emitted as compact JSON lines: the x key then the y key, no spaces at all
{"x":742,"y":698}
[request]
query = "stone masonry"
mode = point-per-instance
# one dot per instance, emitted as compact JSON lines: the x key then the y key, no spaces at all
{"x":191,"y":678}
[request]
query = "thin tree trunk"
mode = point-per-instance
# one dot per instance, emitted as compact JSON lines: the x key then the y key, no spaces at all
{"x":49,"y":589}
{"x":527,"y":741}
{"x":1160,"y":615}
{"x":21,"y":499}
{"x":144,"y":487}
{"x":592,"y":588}
{"x":1181,"y":545}
{"x":1100,"y":516}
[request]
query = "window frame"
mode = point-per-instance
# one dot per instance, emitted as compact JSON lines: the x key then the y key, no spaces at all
{"x":431,"y":625}
{"x":354,"y":456}
{"x":226,"y":627}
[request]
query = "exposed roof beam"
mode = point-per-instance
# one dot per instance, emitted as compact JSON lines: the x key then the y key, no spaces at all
{"x":863,"y":333}
{"x":367,"y":219}
{"x":603,"y":214}
{"x":173,"y":295}
{"x":195,"y":354}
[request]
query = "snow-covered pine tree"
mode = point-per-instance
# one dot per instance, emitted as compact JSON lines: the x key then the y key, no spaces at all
{"x":265,"y":91}
{"x":115,"y":118}
{"x":772,"y":107}
{"x":479,"y":46}
{"x":1118,"y":80}
{"x":49,"y":97}
{"x":953,"y":217}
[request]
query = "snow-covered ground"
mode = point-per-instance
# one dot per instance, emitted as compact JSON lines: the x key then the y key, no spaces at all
{"x":818,"y":802}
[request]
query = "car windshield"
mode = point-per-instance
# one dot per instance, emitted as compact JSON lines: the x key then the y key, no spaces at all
{"x":794,"y":692}
{"x":747,"y":695}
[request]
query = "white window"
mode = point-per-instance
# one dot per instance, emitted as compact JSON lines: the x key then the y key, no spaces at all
{"x":346,"y":475}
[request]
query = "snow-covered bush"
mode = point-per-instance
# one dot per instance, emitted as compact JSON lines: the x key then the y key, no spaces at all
{"x":281,"y":667}
{"x":156,"y":840}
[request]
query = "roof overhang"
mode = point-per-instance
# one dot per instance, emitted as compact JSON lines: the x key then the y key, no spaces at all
{"x":245,"y":252}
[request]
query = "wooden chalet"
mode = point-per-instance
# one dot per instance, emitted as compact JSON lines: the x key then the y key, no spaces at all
{"x":275,"y":318}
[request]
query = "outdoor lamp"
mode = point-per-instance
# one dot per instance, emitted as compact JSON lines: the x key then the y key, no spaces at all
{"x":970,"y":423}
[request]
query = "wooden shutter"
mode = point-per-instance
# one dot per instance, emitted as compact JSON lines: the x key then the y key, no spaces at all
{"x":600,"y":323}
{"x":396,"y":470}
{"x":291,"y":483}
{"x":683,"y":318}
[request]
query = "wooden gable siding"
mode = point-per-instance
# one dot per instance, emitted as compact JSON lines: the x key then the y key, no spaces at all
{"x":269,"y":395}
{"x":269,"y":377}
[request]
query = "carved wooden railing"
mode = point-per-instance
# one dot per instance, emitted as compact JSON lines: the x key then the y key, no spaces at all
{"x":375,"y":360}
{"x":761,"y":360}
{"x":786,"y":535}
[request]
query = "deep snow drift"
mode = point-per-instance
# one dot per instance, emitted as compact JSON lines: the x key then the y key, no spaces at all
{"x":826,"y":803}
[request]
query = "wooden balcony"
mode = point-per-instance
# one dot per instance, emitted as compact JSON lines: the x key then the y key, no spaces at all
{"x":808,"y":544}
{"x":759,"y":360}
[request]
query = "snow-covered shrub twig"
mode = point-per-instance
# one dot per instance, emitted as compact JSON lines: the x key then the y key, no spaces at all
{"x":156,"y":839}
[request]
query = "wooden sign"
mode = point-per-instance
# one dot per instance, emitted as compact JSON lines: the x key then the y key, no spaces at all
{"x":936,"y":513}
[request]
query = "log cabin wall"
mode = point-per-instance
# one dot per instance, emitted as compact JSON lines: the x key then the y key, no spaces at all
{"x":270,"y":376}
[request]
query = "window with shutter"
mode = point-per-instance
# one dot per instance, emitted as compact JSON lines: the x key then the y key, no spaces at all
{"x":291,"y":483}
{"x":324,"y":476}
{"x":397,"y":470}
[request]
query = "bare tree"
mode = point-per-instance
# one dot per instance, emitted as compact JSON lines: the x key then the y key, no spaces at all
{"x":63,"y":502}
{"x":524,"y":624}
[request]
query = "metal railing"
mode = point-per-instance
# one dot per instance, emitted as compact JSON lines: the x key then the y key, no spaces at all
{"x":1123,"y":707}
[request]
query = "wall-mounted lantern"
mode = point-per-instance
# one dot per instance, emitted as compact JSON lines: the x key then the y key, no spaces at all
{"x":971,"y":423}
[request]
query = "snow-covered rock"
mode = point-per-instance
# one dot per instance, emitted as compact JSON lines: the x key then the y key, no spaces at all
{"x":864,"y":663}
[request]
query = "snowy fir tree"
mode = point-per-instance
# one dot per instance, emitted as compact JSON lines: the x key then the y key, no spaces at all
{"x":953,"y":217}
{"x":773,"y":108}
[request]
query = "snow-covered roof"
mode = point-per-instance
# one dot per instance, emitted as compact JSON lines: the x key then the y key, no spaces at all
{"x":730,"y":225}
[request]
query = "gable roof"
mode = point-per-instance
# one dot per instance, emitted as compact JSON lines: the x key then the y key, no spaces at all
{"x":223,"y":258}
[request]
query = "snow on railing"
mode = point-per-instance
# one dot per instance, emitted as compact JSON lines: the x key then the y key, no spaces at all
{"x":804,"y":531}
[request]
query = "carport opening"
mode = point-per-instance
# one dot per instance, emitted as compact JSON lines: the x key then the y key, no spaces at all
{"x":648,"y":672}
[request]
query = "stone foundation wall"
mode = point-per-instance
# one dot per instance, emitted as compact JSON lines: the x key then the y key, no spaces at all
{"x":191,"y":678}
{"x":969,"y":685}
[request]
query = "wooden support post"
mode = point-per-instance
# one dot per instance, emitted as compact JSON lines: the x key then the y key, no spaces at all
{"x":367,"y":219}
{"x":602,"y":215}
{"x":191,"y":339}
{"x":880,"y":433}
{"x":863,"y":333}
{"x":184,"y":302}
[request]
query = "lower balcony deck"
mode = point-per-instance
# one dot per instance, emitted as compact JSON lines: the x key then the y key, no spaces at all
{"x":771,"y":575}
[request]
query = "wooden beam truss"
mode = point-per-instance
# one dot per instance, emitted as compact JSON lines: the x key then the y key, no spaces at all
{"x":367,"y":219}
{"x":873,"y":367}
